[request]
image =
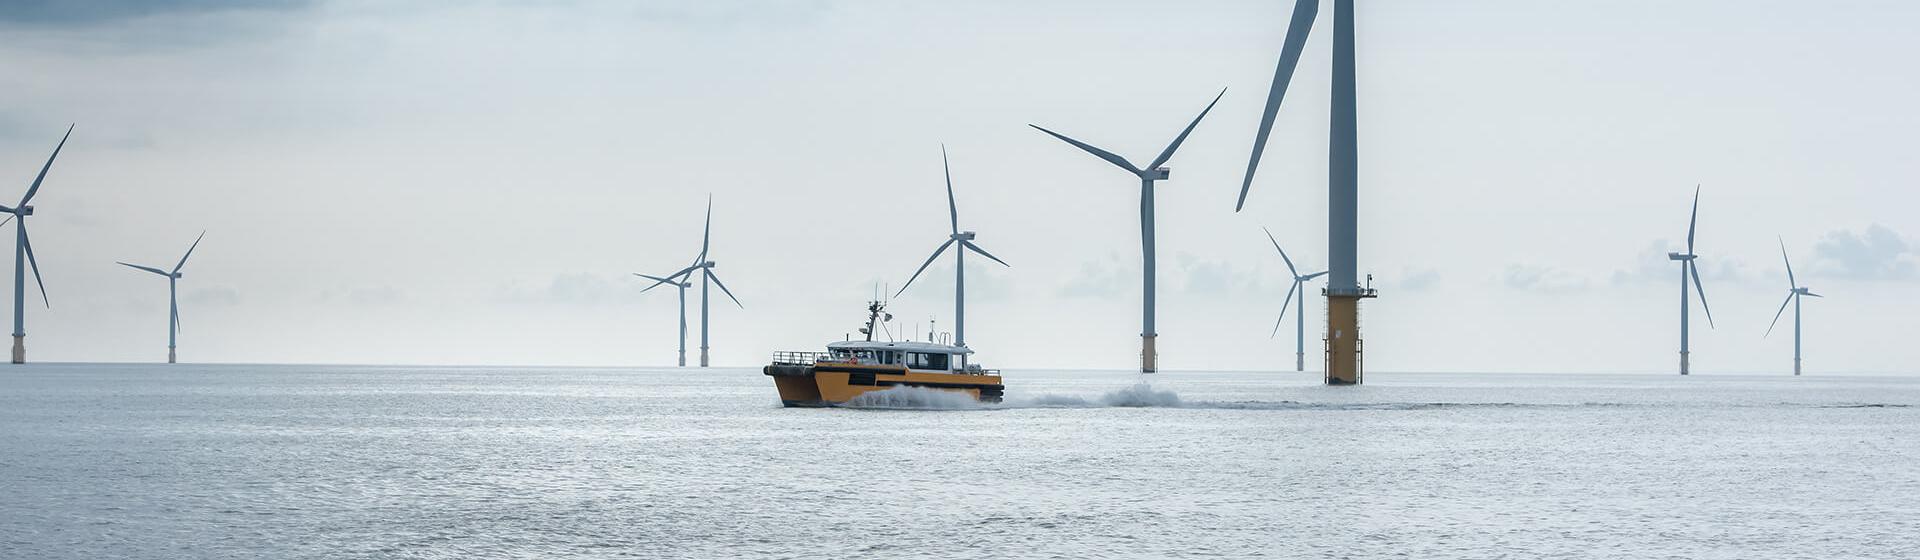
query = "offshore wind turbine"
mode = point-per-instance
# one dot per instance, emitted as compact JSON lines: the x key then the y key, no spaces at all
{"x":1343,"y":291}
{"x":1300,"y":334}
{"x":704,"y":268}
{"x":1689,"y":268}
{"x":23,"y":256}
{"x":965,"y":240}
{"x":1149,"y":359}
{"x":681,"y":286}
{"x":1794,"y":292}
{"x":173,"y":293}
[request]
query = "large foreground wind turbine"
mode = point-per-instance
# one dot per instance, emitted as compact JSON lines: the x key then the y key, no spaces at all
{"x":1343,"y":291}
{"x":23,"y":256}
{"x":173,"y":294}
{"x":1689,"y":268}
{"x":681,"y":286}
{"x":1149,"y":360}
{"x":1794,"y":291}
{"x":1300,"y":335}
{"x":965,"y":240}
{"x":705,"y":268}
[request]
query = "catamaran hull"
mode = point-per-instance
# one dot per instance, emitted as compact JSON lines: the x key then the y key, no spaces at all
{"x":824,"y":386}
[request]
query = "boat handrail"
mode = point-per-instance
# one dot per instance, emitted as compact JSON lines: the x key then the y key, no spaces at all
{"x":799,"y":358}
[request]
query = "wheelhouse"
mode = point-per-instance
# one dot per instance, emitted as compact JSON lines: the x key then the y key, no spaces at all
{"x":923,"y":356}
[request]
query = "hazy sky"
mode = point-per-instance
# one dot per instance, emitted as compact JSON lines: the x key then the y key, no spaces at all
{"x":472,"y":182}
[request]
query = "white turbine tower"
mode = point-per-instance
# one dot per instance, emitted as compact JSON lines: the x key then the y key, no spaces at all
{"x":1690,"y":269}
{"x":23,"y":256}
{"x":1794,"y":292}
{"x":1149,"y":359}
{"x":705,"y":268}
{"x":173,"y":294}
{"x":679,"y":286}
{"x":1343,"y":291}
{"x":965,"y":240}
{"x":1300,"y":334}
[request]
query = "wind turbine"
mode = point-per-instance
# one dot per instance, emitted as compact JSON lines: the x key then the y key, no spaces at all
{"x":965,"y":240}
{"x":1794,"y":292}
{"x":1343,"y":291}
{"x":1300,"y":335}
{"x":679,"y":286}
{"x":23,"y":256}
{"x":173,"y":293}
{"x":1688,"y":268}
{"x":1149,"y":360}
{"x":705,"y":268}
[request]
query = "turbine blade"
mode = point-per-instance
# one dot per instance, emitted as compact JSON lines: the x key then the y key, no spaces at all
{"x":1791,"y":283}
{"x":1283,"y":310}
{"x":706,"y":234}
{"x":1776,"y":315}
{"x":984,"y":253}
{"x":196,"y":244}
{"x":669,"y":278}
{"x":1168,"y":153}
{"x":26,"y":242}
{"x":723,"y":288}
{"x":1810,"y":293}
{"x":657,"y":281}
{"x":8,"y":219}
{"x":1103,"y":154}
{"x":1304,"y":11}
{"x":1694,"y":220}
{"x":1695,"y":271}
{"x":953,"y":209}
{"x":43,"y":169}
{"x":146,"y":268}
{"x":923,"y":267}
{"x":174,"y":306}
{"x":1313,"y":276}
{"x":1283,"y":253}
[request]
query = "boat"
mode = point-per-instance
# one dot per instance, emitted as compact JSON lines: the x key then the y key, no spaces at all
{"x":850,"y":368}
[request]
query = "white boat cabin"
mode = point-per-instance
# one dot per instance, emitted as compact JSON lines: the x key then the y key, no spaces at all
{"x":924,"y":356}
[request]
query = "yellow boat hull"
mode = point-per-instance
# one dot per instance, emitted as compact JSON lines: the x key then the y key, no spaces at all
{"x":834,"y":385}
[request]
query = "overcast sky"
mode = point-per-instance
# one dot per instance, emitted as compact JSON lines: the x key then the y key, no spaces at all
{"x":473,"y":182}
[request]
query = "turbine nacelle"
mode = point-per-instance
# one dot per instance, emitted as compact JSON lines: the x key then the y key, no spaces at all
{"x":1681,"y":257}
{"x":963,"y":236}
{"x":1156,"y":174}
{"x":22,"y":211}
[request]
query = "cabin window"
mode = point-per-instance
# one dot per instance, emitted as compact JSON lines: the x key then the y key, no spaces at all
{"x":917,"y":360}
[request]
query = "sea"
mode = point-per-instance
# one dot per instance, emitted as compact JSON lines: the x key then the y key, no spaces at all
{"x":280,"y":461}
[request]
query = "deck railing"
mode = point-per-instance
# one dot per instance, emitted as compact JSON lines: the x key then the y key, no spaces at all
{"x":787,"y":358}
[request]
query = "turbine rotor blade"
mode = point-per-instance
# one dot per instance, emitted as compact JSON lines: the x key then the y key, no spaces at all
{"x":146,"y":268}
{"x":1313,"y":276}
{"x":43,"y":169}
{"x":706,"y":234}
{"x":1304,"y":12}
{"x":1102,"y":154}
{"x":1177,"y":140}
{"x":1810,"y":293}
{"x":8,"y":219}
{"x":1695,"y":271}
{"x":1791,"y":283}
{"x":1283,"y":252}
{"x":984,"y":253}
{"x":1776,"y":314}
{"x":1283,"y":310}
{"x":923,"y":267}
{"x":669,"y":278}
{"x":196,"y":244}
{"x":953,"y":209}
{"x":723,"y":288}
{"x":1694,"y":220}
{"x":26,"y":242}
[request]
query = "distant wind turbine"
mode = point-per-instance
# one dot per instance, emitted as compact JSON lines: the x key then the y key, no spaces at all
{"x":965,"y":240}
{"x":1794,"y":292}
{"x":1689,"y":268}
{"x":705,"y":268}
{"x":1149,"y":360}
{"x":1300,"y":334}
{"x":173,"y":294}
{"x":23,"y":256}
{"x":681,"y":286}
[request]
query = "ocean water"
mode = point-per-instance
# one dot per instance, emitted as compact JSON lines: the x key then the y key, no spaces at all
{"x":138,"y":461}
